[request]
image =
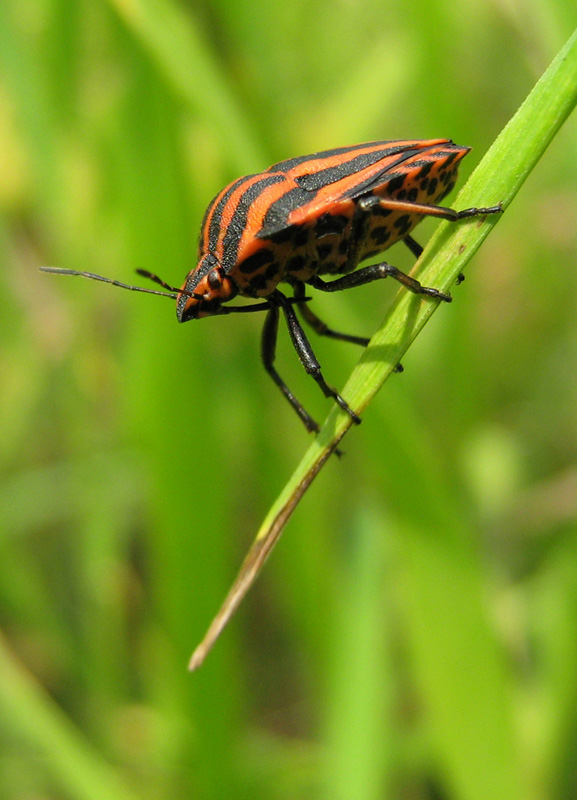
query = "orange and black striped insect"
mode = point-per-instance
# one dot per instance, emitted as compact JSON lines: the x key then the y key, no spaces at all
{"x":313,"y":216}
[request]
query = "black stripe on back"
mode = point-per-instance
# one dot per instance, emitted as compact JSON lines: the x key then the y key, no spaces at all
{"x":275,"y":220}
{"x":325,"y":177}
{"x":285,"y":166}
{"x":216,"y":220}
{"x":237,"y":224}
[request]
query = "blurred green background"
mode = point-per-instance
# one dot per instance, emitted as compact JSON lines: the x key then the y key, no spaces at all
{"x":415,"y":634}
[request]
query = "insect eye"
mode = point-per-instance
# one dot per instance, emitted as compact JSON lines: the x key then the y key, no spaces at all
{"x":214,"y":278}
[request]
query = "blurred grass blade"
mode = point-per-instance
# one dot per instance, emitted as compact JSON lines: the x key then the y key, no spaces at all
{"x":360,"y":707}
{"x":498,"y":177}
{"x":26,"y":708}
{"x":185,"y":58}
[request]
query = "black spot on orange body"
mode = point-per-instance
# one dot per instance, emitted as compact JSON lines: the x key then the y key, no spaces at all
{"x":298,"y":218}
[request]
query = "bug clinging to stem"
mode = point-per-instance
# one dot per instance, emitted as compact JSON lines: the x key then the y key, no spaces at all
{"x":308,"y":217}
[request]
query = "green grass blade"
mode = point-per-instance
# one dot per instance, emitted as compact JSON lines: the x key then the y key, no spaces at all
{"x":498,"y":178}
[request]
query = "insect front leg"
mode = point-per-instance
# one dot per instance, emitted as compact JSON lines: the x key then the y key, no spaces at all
{"x":268,"y":351}
{"x":318,"y":325}
{"x":306,"y":355}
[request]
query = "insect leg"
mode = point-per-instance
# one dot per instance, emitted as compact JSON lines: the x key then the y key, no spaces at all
{"x":425,"y":209}
{"x":318,"y":325}
{"x":413,"y":246}
{"x":377,"y":272}
{"x":268,"y":350}
{"x":374,"y":272}
{"x":306,"y":355}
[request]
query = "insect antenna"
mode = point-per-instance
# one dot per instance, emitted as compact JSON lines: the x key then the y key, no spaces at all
{"x":173,"y":293}
{"x":152,"y":277}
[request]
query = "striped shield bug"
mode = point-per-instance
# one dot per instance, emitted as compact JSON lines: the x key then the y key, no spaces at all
{"x":308,"y":217}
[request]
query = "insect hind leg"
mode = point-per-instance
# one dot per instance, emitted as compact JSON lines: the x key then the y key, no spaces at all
{"x":425,"y":209}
